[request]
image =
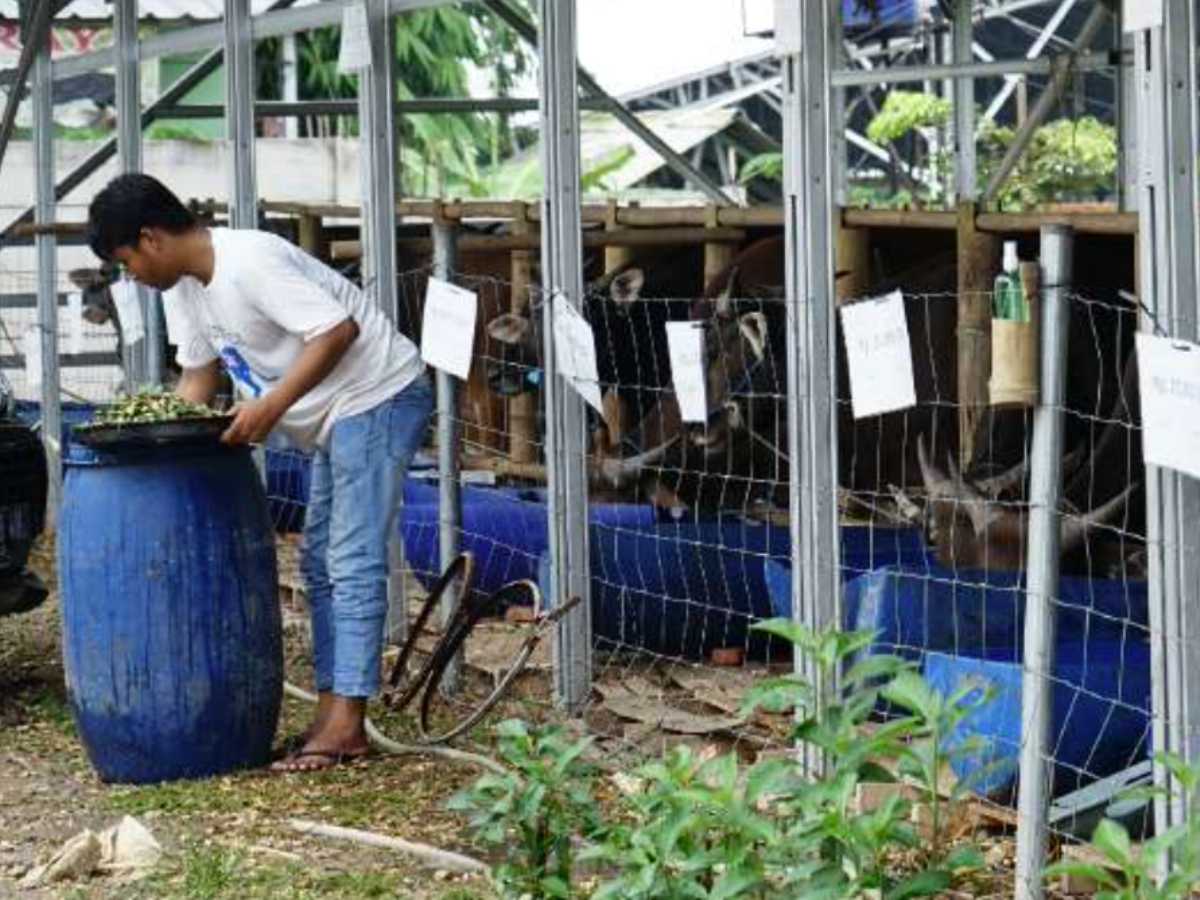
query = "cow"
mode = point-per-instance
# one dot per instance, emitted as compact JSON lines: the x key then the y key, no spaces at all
{"x":99,"y":308}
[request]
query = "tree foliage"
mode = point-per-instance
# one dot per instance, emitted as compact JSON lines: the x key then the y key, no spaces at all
{"x":1067,"y":159}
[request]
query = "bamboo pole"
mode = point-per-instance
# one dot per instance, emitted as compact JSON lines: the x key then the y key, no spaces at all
{"x":522,"y":409}
{"x":718,"y":255}
{"x":853,"y":258}
{"x":978,"y":263}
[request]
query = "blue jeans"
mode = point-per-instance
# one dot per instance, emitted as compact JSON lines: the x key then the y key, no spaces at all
{"x":357,"y":487}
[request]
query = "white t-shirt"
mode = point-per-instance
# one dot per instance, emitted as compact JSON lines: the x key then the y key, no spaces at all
{"x":266,"y":300}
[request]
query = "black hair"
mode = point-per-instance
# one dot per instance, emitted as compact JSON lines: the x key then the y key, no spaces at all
{"x":128,"y":204}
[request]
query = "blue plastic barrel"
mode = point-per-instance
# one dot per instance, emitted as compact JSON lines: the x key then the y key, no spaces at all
{"x":172,"y":638}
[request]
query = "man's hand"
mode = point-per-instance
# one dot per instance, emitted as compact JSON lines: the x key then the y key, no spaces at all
{"x":253,"y":421}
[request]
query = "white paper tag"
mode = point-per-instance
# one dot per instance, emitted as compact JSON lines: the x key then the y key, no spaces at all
{"x":1169,"y":378}
{"x":355,"y":51}
{"x":788,"y":38}
{"x":129,"y":311}
{"x":1137,"y":15}
{"x":575,"y":352}
{"x":879,"y":356}
{"x":75,"y":317}
{"x":448,"y":327}
{"x":32,"y":347}
{"x":685,"y":345}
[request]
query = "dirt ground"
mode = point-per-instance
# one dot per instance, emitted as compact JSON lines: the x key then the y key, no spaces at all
{"x":226,"y":837}
{"x":229,"y":837}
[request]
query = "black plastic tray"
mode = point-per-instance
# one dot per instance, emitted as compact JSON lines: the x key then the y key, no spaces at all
{"x":197,"y":430}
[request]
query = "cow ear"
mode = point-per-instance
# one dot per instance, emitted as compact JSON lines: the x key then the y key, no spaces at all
{"x":753,"y":327}
{"x":85,"y":278}
{"x":627,"y":287}
{"x":510,"y":328}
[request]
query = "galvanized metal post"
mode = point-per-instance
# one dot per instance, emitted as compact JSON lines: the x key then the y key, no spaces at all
{"x":142,"y":361}
{"x":1045,"y":495}
{"x":964,"y":103}
{"x":47,"y":275}
{"x":445,"y":263}
{"x":562,"y":274}
{"x":812,"y":432}
{"x":377,"y":170}
{"x":239,"y":114}
{"x":1168,"y":194}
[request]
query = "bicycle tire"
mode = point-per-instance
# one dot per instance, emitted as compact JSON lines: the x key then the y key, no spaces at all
{"x":399,"y":701}
{"x":450,"y":647}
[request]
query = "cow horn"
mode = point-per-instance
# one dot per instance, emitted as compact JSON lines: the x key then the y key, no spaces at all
{"x":1073,"y":530}
{"x":620,"y":471}
{"x":725,"y":298}
{"x":935,"y":480}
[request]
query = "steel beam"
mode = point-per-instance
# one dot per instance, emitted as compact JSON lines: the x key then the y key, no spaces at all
{"x":562,"y":275}
{"x":142,"y":361}
{"x":47,"y":271}
{"x":1035,"y":50}
{"x":1045,"y":103}
{"x":965,"y":164}
{"x":37,"y":31}
{"x":1168,"y":195}
{"x":102,"y":154}
{"x":1041,"y":590}
{"x":445,"y":264}
{"x":986,"y":69}
{"x":239,"y":114}
{"x":811,"y":352}
{"x":689,"y":173}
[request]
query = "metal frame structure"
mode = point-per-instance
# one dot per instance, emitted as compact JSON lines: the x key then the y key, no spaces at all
{"x":1167,"y":191}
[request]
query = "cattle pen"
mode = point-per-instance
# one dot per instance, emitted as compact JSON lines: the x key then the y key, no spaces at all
{"x":876,"y":508}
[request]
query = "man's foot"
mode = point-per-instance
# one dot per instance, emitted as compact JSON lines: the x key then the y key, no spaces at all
{"x":336,"y":737}
{"x":315,"y":760}
{"x":292,"y":745}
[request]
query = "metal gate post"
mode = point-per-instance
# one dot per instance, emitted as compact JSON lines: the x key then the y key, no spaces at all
{"x":1045,"y":495}
{"x":806,"y":37}
{"x":445,"y":255}
{"x":562,"y":274}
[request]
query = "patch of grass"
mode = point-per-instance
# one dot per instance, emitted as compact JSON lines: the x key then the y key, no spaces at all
{"x":222,"y":873}
{"x":209,"y":872}
{"x":51,"y":707}
{"x":212,"y":795}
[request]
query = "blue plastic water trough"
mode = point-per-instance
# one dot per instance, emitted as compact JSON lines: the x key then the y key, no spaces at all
{"x":505,"y":528}
{"x":1100,"y":723}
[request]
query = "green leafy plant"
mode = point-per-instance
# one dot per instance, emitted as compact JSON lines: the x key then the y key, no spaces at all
{"x":536,"y":811}
{"x":1166,"y":867}
{"x":696,"y":829}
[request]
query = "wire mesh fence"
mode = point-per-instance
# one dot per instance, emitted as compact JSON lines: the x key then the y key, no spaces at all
{"x":689,"y":526}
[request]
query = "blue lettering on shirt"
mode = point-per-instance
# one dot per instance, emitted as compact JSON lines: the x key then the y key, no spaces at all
{"x":240,"y":371}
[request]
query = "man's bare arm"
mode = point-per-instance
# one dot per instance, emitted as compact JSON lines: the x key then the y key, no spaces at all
{"x":200,"y":385}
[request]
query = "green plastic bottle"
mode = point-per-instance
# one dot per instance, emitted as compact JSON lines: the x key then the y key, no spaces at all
{"x":1008,"y":297}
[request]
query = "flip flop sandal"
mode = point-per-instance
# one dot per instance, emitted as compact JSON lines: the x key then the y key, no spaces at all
{"x":289,"y":747}
{"x":332,"y":760}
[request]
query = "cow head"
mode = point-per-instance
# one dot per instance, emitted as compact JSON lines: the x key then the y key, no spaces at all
{"x":735,"y":350}
{"x":94,"y":284}
{"x":517,"y":367}
{"x":974,"y":529}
